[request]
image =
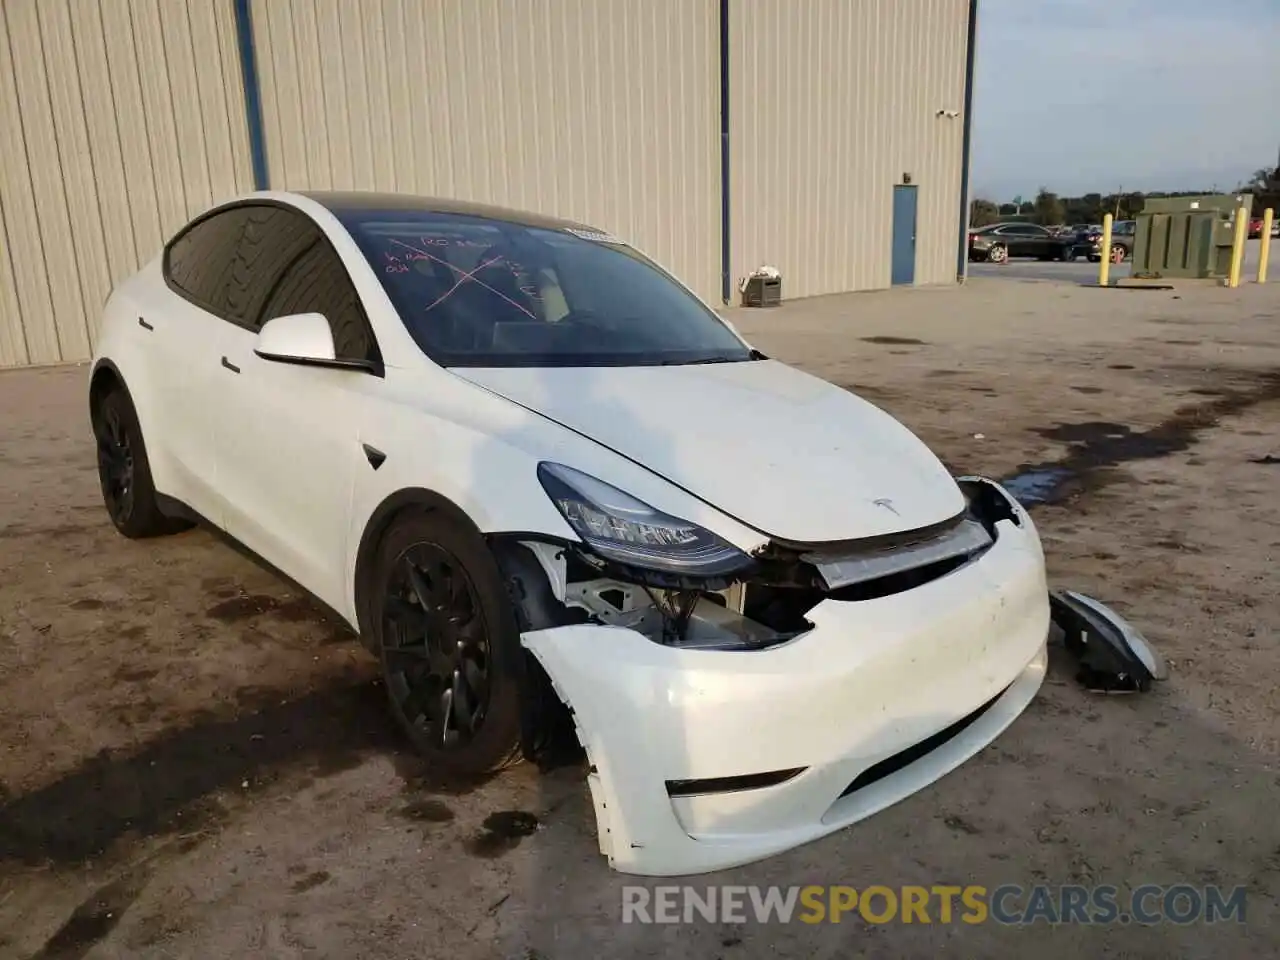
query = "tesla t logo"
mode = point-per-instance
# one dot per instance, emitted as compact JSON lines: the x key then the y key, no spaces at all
{"x":887,"y":504}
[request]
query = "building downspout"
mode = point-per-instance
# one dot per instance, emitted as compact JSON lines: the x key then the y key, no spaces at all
{"x":252,"y":94}
{"x":725,"y":285}
{"x":962,"y":253}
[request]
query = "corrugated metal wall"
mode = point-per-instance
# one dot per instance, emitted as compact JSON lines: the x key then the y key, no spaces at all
{"x":832,"y":101}
{"x":121,"y":119}
{"x":600,"y":110}
{"x":125,"y":117}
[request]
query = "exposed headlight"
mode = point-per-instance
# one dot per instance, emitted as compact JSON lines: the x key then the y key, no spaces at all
{"x":618,"y":527}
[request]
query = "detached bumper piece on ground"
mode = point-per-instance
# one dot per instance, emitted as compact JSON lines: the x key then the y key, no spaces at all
{"x":1114,"y":657}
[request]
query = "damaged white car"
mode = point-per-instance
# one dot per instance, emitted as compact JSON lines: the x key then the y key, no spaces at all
{"x":532,"y":469}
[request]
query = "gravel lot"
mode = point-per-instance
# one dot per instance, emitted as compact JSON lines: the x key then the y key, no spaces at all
{"x":195,"y":762}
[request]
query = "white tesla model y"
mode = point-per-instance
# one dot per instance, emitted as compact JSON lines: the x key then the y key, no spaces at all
{"x":536,"y":473}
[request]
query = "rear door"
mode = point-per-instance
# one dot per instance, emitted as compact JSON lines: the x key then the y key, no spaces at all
{"x":289,"y":442}
{"x":187,"y":329}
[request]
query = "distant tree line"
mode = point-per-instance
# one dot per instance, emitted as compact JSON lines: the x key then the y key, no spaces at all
{"x":1051,"y":210}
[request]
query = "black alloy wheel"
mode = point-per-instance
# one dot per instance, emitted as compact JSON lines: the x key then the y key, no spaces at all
{"x":449,"y":643}
{"x":435,"y":646}
{"x":115,"y":463}
{"x":124,"y":471}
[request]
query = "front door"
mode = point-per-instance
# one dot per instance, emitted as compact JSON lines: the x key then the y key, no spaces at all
{"x":289,"y":439}
{"x":904,"y":234}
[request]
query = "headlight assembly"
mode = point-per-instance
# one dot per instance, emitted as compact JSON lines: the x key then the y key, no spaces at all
{"x":618,"y":527}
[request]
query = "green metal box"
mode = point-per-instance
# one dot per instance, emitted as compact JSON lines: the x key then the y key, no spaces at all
{"x":1188,"y":237}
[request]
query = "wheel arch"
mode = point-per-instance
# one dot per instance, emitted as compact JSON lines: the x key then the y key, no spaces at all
{"x":392,"y":507}
{"x":105,"y":376}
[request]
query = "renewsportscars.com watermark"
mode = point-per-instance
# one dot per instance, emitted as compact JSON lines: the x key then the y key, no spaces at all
{"x":1010,"y":904}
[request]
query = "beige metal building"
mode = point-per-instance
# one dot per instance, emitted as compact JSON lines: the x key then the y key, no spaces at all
{"x":828,"y":138}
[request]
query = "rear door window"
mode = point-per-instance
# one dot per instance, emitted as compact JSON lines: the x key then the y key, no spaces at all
{"x":197,"y":263}
{"x":228,"y":263}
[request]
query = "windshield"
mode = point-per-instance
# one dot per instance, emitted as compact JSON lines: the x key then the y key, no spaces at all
{"x":479,"y":292}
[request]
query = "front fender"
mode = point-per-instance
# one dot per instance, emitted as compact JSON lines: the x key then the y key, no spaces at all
{"x":480,"y":453}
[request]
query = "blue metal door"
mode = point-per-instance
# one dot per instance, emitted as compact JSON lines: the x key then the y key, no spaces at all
{"x":904,"y":234}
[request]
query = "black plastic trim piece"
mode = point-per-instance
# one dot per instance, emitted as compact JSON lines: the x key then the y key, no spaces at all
{"x":175,"y":509}
{"x":144,"y":325}
{"x":884,"y":541}
{"x":375,"y":456}
{"x":891,"y":765}
{"x":750,"y":781}
{"x":364,"y":366}
{"x":230,"y":366}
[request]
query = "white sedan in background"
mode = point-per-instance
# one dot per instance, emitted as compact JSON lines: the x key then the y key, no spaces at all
{"x":531,"y":470}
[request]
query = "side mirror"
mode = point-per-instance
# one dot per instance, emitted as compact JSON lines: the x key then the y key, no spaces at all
{"x":305,"y":339}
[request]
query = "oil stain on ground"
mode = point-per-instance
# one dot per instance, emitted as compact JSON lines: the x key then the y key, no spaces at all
{"x":311,"y":881}
{"x":426,"y":810}
{"x":246,"y":606}
{"x":171,"y":783}
{"x":896,"y":341}
{"x":1095,"y":446}
{"x":502,"y":832}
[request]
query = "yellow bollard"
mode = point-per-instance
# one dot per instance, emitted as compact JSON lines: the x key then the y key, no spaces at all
{"x":1237,"y":246}
{"x":1264,"y":250}
{"x":1104,"y":247}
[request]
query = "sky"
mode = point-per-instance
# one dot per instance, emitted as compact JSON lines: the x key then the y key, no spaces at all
{"x":1097,"y":95}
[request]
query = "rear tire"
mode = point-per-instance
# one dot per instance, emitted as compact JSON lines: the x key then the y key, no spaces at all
{"x":1118,"y":253}
{"x":998,"y":253}
{"x":124,"y":472}
{"x":447,"y":637}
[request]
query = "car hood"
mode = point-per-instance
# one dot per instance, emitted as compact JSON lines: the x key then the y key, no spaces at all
{"x":781,"y":451}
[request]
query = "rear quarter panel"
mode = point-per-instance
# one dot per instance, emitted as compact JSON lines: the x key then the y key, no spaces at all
{"x":122,"y":345}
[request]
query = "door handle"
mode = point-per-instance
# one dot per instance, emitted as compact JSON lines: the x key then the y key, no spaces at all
{"x":144,"y":325}
{"x":230,"y":366}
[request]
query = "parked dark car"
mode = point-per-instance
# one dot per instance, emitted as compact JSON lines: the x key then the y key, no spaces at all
{"x":1255,"y":228}
{"x":1000,"y":241}
{"x":1089,"y":242}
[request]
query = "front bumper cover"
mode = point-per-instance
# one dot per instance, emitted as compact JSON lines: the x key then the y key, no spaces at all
{"x":883,"y":696}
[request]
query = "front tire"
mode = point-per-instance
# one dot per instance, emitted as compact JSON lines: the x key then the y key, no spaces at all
{"x":449,"y":644}
{"x":124,"y":472}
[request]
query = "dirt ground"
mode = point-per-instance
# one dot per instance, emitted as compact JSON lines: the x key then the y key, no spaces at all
{"x":195,"y":762}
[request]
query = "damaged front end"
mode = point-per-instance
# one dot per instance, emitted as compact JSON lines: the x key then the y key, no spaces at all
{"x":682,"y":586}
{"x":786,"y":691}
